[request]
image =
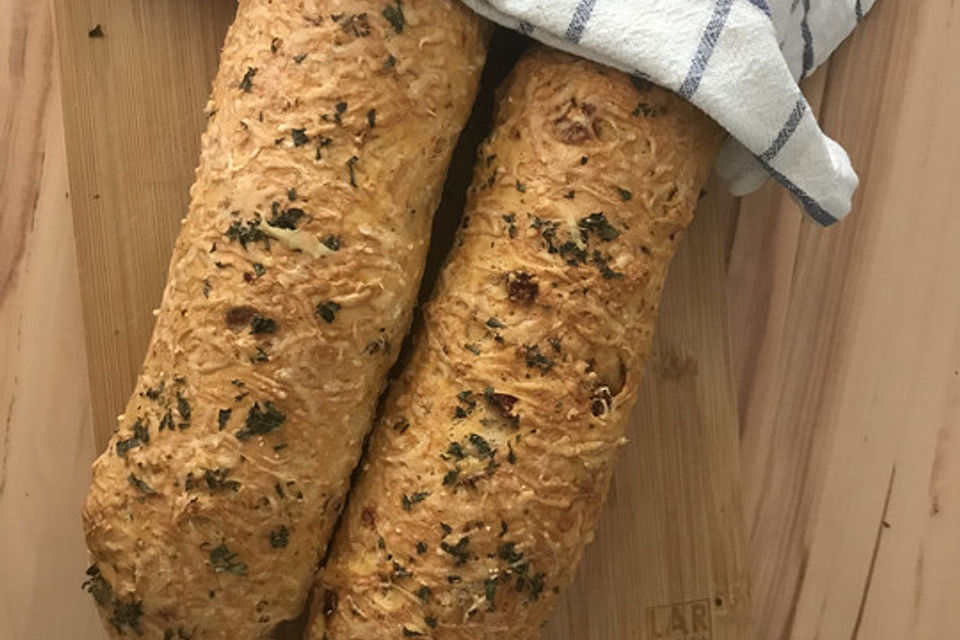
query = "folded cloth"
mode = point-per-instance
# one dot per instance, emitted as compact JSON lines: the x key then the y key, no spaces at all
{"x":738,"y":60}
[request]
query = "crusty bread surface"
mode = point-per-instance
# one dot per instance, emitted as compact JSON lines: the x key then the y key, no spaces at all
{"x":291,"y":286}
{"x":486,"y":475}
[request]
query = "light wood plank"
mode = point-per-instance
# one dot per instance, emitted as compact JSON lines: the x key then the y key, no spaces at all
{"x":671,"y":541}
{"x":46,"y":440}
{"x":848,"y":372}
{"x":135,"y":103}
{"x":674,"y":533}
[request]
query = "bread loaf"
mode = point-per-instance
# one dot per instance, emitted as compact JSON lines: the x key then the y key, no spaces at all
{"x":487,"y":473}
{"x":290,"y":289}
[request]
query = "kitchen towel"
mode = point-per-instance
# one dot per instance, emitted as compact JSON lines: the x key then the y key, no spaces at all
{"x":738,"y":60}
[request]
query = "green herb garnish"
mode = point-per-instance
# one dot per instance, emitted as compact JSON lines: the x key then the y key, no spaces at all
{"x":260,"y":324}
{"x":459,"y":551}
{"x":394,"y":15}
{"x":490,"y":590}
{"x":331,"y":242}
{"x":183,"y":407}
{"x":350,"y":168}
{"x":137,"y":483}
{"x":261,"y":421}
{"x":536,"y":359}
{"x":224,"y":560}
{"x":451,"y":477}
{"x":280,"y":537}
{"x":481,"y":445}
{"x":285,"y":219}
{"x":247,"y":234}
{"x":299,"y":137}
{"x":409,"y":501}
{"x":327,"y":310}
{"x":97,"y":586}
{"x":247,"y":83}
{"x":598,"y":223}
{"x":141,"y":436}
{"x":154,"y":392}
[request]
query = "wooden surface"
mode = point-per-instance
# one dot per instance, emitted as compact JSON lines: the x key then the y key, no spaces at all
{"x":677,"y":511}
{"x":46,"y":436}
{"x":135,"y":112}
{"x":845,"y":348}
{"x":670,"y":549}
{"x":846,"y":345}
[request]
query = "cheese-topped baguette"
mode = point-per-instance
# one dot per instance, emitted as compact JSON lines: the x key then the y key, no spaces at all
{"x":290,"y":289}
{"x":485,"y":478}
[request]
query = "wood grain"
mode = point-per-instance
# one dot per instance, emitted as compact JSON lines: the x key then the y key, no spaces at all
{"x":135,"y":102}
{"x":848,"y":355}
{"x":845,"y":350}
{"x":677,"y":511}
{"x":670,"y":544}
{"x":46,"y":437}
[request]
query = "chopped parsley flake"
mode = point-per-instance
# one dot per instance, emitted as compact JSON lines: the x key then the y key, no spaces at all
{"x":141,"y":436}
{"x":247,"y":83}
{"x":409,"y":501}
{"x":350,"y":168}
{"x":331,"y":242}
{"x":394,"y":15}
{"x":536,"y":359}
{"x":262,"y":324}
{"x":459,"y":551}
{"x":137,"y":483}
{"x":224,"y":560}
{"x":284,"y":219}
{"x":299,"y":137}
{"x":481,"y":445}
{"x":327,"y":310}
{"x":598,"y":223}
{"x":261,"y":421}
{"x":279,"y":537}
{"x":247,"y":234}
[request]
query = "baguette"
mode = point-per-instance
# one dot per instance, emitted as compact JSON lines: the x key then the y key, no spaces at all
{"x":291,"y":286}
{"x":485,"y":477}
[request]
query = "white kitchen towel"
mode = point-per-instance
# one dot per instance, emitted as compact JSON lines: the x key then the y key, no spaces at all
{"x":738,"y":60}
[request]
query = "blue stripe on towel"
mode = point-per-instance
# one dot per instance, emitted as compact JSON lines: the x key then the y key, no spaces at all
{"x":711,"y":34}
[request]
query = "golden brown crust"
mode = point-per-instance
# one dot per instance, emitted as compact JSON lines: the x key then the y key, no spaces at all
{"x":487,"y":473}
{"x":289,"y":291}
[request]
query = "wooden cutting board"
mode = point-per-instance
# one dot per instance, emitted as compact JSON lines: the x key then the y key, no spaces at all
{"x":669,"y":562}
